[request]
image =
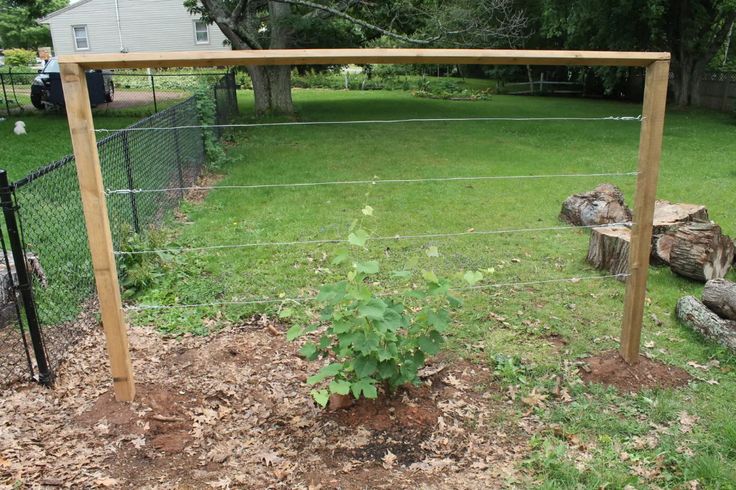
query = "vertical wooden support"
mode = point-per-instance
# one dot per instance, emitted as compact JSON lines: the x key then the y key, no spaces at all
{"x":650,"y":151}
{"x":84,"y":142}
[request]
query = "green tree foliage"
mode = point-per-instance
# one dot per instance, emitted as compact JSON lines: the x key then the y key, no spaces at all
{"x":693,"y":31}
{"x":18,"y":26}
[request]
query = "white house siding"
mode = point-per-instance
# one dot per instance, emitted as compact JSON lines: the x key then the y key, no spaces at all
{"x":146,"y":25}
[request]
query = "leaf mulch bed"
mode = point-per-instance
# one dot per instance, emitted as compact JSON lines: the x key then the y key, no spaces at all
{"x":609,"y":368}
{"x":232,"y":411}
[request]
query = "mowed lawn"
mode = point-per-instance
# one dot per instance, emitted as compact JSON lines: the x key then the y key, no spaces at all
{"x":507,"y":328}
{"x":46,"y":140}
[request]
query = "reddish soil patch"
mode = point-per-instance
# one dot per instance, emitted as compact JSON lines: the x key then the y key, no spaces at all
{"x":159,"y":416}
{"x":610,"y":369}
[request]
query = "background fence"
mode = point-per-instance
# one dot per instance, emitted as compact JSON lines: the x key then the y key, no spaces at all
{"x":46,"y":207}
{"x":146,"y":92}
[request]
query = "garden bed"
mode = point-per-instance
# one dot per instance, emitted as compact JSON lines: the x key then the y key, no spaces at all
{"x":233,"y":409}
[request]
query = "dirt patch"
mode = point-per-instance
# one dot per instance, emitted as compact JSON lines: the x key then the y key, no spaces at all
{"x":610,"y":369}
{"x":232,"y":410}
{"x":206,"y":180}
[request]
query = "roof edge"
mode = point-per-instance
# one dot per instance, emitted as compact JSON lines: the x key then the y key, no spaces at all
{"x":44,"y":20}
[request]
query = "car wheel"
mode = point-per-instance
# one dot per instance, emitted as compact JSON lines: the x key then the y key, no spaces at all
{"x":110,"y":95}
{"x":37,"y":102}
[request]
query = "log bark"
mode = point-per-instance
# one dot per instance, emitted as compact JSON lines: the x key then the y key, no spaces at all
{"x":701,"y":252}
{"x":609,"y":249}
{"x":603,"y":205}
{"x":720,"y":296}
{"x":694,"y":314}
{"x":667,"y":218}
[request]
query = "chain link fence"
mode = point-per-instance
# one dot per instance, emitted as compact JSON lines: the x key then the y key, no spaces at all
{"x":138,"y":92}
{"x":46,"y":206}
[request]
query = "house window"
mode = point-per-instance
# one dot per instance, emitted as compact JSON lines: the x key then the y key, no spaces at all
{"x":81,"y":40}
{"x":201,"y":32}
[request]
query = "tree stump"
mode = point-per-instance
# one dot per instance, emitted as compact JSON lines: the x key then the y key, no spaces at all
{"x":694,"y":314}
{"x":701,"y":252}
{"x":720,"y":296}
{"x":603,"y":205}
{"x":667,"y":218}
{"x":609,"y":249}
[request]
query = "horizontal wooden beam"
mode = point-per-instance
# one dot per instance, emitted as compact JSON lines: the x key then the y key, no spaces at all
{"x":364,"y":56}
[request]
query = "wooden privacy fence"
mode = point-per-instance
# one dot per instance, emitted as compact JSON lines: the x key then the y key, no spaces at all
{"x":93,"y":191}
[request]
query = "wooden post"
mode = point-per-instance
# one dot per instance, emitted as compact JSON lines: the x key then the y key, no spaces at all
{"x":79,"y":114}
{"x":650,"y":150}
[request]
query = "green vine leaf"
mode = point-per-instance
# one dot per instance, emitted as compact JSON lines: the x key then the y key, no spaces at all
{"x":368,"y":211}
{"x":322,"y":397}
{"x":358,"y":238}
{"x":293,"y":333}
{"x":369,"y":267}
{"x":473,"y":278}
{"x":340,"y":387}
{"x":365,"y":366}
{"x":433,"y":251}
{"x":326,"y":372}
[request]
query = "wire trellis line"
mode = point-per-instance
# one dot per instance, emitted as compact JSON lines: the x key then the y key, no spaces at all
{"x":306,"y":299}
{"x":380,"y":238}
{"x":366,"y":182}
{"x":638,"y":118}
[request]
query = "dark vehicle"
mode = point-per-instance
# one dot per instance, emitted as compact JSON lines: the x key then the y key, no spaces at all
{"x":46,"y":87}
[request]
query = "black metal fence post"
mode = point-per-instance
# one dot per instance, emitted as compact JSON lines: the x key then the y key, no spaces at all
{"x":45,"y":376}
{"x":5,"y":95}
{"x":153,"y":91}
{"x":129,"y":175}
{"x":177,"y":154}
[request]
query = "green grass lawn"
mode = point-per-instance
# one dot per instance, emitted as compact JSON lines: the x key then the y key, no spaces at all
{"x":47,"y":139}
{"x":698,"y":166}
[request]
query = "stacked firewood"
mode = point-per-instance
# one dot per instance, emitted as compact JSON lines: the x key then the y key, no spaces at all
{"x":683,"y":237}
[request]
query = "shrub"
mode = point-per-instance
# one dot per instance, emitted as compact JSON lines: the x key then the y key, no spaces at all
{"x":19,"y":57}
{"x":375,"y":340}
{"x":207,"y":108}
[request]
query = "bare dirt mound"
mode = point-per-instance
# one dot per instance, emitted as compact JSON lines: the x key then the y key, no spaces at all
{"x":232,"y":411}
{"x":609,"y":368}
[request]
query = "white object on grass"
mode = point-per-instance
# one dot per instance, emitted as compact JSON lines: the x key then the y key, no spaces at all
{"x":20,"y":128}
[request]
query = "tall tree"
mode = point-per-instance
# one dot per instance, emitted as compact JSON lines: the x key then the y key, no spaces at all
{"x":18,"y":26}
{"x":279,"y":24}
{"x":692,"y":30}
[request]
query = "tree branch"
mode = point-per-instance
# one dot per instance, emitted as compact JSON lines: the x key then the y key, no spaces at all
{"x":362,"y":23}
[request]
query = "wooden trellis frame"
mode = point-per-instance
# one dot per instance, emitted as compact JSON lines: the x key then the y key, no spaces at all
{"x":91,"y":185}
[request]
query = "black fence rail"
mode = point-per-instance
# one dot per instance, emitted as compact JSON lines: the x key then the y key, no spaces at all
{"x":48,"y":264}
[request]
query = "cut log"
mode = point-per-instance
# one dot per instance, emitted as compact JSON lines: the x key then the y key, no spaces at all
{"x":720,"y":296}
{"x":609,"y":249}
{"x":667,"y":215}
{"x":603,"y":205}
{"x":701,"y":252}
{"x":694,"y":314}
{"x":667,"y":218}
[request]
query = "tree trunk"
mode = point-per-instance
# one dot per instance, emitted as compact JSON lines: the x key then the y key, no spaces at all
{"x":603,"y":205}
{"x":699,"y":251}
{"x":609,"y":250}
{"x":720,"y":296}
{"x":272,"y":89}
{"x":694,"y":314}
